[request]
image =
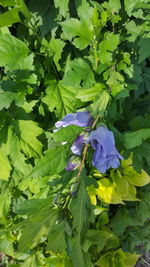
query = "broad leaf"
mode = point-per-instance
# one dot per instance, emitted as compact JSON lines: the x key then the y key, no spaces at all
{"x":63,"y":6}
{"x":13,"y":52}
{"x":52,"y":163}
{"x":60,"y":98}
{"x":5,"y":200}
{"x":81,"y":31}
{"x":27,"y":131}
{"x":6,"y":246}
{"x":38,"y":225}
{"x":9,"y":17}
{"x":135,"y":138}
{"x":56,"y":239}
{"x":79,"y":73}
{"x":5,"y":166}
{"x":135,"y":178}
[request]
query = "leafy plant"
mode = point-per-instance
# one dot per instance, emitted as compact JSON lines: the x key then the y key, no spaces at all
{"x":74,"y":132}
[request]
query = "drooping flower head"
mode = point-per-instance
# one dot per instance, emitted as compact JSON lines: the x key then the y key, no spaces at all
{"x":81,"y":119}
{"x":106,"y":155}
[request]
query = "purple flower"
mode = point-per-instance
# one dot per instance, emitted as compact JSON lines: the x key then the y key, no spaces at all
{"x":106,"y":155}
{"x":70,"y":166}
{"x":73,"y":163}
{"x":76,"y":148}
{"x":81,"y":119}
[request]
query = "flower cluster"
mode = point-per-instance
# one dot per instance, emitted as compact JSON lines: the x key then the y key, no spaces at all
{"x":106,"y":155}
{"x":102,"y":140}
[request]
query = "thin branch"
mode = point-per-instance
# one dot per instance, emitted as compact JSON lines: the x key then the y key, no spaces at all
{"x":85,"y":150}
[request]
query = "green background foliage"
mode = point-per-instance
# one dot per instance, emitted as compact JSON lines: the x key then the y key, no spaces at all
{"x":59,"y":57}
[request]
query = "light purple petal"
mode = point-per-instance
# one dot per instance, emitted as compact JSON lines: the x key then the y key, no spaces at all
{"x":76,"y":148}
{"x":81,"y":119}
{"x":70,"y":166}
{"x":106,"y":154}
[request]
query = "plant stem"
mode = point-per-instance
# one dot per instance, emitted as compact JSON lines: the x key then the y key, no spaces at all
{"x":85,"y":151}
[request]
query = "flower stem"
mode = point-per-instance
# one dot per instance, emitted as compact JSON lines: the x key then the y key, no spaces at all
{"x":85,"y":151}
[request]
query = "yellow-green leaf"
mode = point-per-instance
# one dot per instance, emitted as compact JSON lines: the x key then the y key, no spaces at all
{"x":135,"y":178}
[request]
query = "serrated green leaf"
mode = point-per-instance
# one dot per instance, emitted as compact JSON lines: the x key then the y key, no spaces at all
{"x":134,"y":139}
{"x":100,"y":105}
{"x":28,"y":207}
{"x":27,"y":131}
{"x":81,"y":31}
{"x":130,"y":5}
{"x":37,"y":226}
{"x":131,"y":259}
{"x":54,"y":49}
{"x":115,"y":5}
{"x":68,"y":134}
{"x":56,"y":239}
{"x":60,"y":98}
{"x":13,"y":52}
{"x":135,"y":178}
{"x":5,"y":200}
{"x":79,"y":73}
{"x":9,"y":17}
{"x":109,"y":43}
{"x":63,"y":6}
{"x":52,"y":163}
{"x":6,"y":98}
{"x":6,"y":246}
{"x":5,"y":166}
{"x":144,"y":49}
{"x":90,"y":94}
{"x":80,"y":209}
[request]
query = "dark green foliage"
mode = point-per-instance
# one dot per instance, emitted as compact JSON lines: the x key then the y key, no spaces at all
{"x":59,"y":57}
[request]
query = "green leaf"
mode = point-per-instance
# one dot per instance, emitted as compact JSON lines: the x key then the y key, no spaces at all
{"x":118,"y":258}
{"x":144,"y":49}
{"x":27,"y":131}
{"x":5,"y":200}
{"x":134,"y":139}
{"x":80,"y":209}
{"x":63,"y":6}
{"x":60,"y":98}
{"x":6,"y":246}
{"x":18,"y":159}
{"x":100,"y":105}
{"x":90,"y":94}
{"x":13,"y":52}
{"x":5,"y":166}
{"x":6,"y":98}
{"x":55,"y":48}
{"x":115,"y":5}
{"x":9,"y":17}
{"x":38,"y":225}
{"x":68,"y":134}
{"x":52,"y":163}
{"x":80,"y":31}
{"x":130,"y":5}
{"x":131,"y":259}
{"x":56,"y":239}
{"x":28,"y":207}
{"x":135,"y":178}
{"x":106,"y":47}
{"x":79,"y":73}
{"x":101,"y":238}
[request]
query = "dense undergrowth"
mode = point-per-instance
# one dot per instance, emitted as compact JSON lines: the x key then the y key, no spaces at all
{"x":59,"y":57}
